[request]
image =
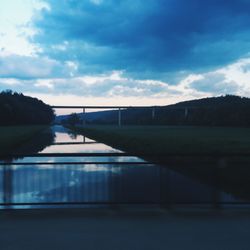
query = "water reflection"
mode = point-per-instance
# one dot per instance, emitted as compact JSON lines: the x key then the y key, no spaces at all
{"x":103,"y":184}
{"x":107,"y":183}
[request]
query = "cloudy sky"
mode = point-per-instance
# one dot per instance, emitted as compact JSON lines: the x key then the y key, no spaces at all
{"x":129,"y":52}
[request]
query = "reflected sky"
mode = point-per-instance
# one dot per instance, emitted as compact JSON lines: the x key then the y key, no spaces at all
{"x":63,"y":135}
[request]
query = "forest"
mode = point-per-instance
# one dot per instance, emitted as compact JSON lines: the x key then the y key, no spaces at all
{"x":18,"y":109}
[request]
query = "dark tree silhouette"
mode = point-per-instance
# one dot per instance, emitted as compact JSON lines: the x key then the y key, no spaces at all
{"x":73,"y":119}
{"x":17,"y":109}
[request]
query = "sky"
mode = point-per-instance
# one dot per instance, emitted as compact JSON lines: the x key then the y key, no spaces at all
{"x":124,"y":52}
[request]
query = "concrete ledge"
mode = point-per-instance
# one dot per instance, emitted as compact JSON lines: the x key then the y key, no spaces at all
{"x":124,"y":229}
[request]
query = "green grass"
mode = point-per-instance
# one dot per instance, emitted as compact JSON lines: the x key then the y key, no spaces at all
{"x":173,"y":140}
{"x":13,"y":136}
{"x":234,"y":173}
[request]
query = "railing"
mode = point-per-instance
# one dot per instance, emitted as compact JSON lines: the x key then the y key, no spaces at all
{"x":115,"y":189}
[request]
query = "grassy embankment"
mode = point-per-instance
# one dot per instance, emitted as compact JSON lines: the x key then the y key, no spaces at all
{"x":196,"y":141}
{"x":13,"y":136}
{"x":164,"y":140}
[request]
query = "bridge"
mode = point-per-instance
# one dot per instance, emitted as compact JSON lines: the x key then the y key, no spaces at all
{"x":120,"y":108}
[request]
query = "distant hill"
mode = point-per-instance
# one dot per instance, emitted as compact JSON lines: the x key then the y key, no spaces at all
{"x":18,"y":109}
{"x":214,"y":101}
{"x":90,"y":117}
{"x":226,"y":110}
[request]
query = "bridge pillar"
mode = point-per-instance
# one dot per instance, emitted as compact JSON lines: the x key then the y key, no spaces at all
{"x":83,"y":117}
{"x":119,"y":117}
{"x":153,"y":113}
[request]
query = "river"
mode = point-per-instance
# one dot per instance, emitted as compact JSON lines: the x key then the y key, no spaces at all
{"x":36,"y":185}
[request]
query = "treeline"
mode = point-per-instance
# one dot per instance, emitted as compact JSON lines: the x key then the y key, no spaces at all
{"x":226,"y":110}
{"x":17,"y":109}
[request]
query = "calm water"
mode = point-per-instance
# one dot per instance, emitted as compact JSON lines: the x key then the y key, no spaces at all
{"x":99,"y":184}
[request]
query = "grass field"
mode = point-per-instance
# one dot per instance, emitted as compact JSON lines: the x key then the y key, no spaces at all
{"x":233,"y":172}
{"x":173,"y":140}
{"x":13,"y":136}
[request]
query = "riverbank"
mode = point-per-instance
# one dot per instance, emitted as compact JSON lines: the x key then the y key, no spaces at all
{"x":13,"y":136}
{"x":164,"y":140}
{"x":170,"y":146}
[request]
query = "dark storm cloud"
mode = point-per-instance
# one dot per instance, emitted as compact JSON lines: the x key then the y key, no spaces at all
{"x":146,"y":38}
